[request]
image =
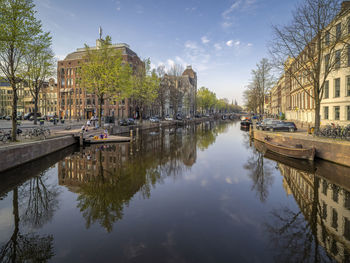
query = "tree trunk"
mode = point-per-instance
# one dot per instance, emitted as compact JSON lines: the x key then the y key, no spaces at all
{"x":36,"y":108}
{"x":317,"y":109}
{"x":100,"y":112}
{"x":14,"y":112}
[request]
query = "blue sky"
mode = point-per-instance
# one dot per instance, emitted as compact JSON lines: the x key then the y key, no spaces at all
{"x":222,"y":40}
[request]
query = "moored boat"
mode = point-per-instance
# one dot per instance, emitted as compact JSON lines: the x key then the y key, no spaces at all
{"x":296,"y":151}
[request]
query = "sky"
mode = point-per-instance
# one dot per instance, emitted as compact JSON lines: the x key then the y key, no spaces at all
{"x":222,"y":40}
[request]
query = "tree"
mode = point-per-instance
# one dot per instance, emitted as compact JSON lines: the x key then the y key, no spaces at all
{"x":18,"y":28}
{"x":311,"y":47}
{"x":145,"y":86}
{"x":259,"y":86}
{"x":206,"y":99}
{"x":105,"y":74}
{"x":39,"y":66}
{"x":175,"y":85}
{"x":163,"y":91}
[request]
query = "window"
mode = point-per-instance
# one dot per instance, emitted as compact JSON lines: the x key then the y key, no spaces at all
{"x":347,"y":85}
{"x":326,"y":89}
{"x":337,"y":59}
{"x":348,"y":113}
{"x":324,"y":210}
{"x":334,"y":219}
{"x":327,"y":38}
{"x":335,"y":193}
{"x":324,"y":186}
{"x":346,"y":228}
{"x":338,"y":31}
{"x":337,"y":88}
{"x":346,"y":199}
{"x":325,"y":110}
{"x":336,"y":113}
{"x":326,"y":62}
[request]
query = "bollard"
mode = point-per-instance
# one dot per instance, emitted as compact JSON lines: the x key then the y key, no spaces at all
{"x":137,"y":132}
{"x":81,"y":139}
{"x":131,"y":134}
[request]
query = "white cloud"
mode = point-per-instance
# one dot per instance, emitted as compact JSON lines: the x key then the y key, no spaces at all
{"x":237,"y":6}
{"x":249,"y":44}
{"x":217,"y":46}
{"x":233,"y":7}
{"x":205,"y":40}
{"x":191,"y":45}
{"x":170,"y":62}
{"x":229,"y":43}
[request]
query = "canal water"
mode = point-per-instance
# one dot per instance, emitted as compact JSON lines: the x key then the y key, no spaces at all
{"x":201,"y":193}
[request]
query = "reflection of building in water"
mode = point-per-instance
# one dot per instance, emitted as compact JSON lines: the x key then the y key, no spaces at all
{"x":149,"y":152}
{"x":94,"y":161}
{"x":333,"y":206}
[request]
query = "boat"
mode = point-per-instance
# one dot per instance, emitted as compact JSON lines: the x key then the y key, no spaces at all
{"x":301,"y":165}
{"x":246,"y":122}
{"x":296,"y":151}
{"x":110,"y":139}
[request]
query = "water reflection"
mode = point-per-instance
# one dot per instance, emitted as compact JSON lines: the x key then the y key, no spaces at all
{"x":38,"y":201}
{"x":106,"y":177}
{"x":319,"y":231}
{"x":259,"y":171}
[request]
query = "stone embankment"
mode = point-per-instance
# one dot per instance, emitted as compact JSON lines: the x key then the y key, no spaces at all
{"x":17,"y":154}
{"x":13,"y":155}
{"x":328,"y":149}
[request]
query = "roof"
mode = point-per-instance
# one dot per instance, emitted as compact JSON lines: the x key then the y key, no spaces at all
{"x":81,"y":52}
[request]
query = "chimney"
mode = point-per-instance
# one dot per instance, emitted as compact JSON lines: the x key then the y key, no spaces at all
{"x":345,"y":5}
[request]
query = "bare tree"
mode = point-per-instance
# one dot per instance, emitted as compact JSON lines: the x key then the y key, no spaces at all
{"x":259,"y":86}
{"x":311,"y":46}
{"x":163,"y":91}
{"x":176,"y":92}
{"x":39,"y":66}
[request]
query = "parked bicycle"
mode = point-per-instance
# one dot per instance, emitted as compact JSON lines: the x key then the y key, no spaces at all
{"x":335,"y":132}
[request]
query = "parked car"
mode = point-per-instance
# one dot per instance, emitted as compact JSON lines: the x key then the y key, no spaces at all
{"x":265,"y":122}
{"x":8,"y":118}
{"x":130,"y":121}
{"x":198,"y":115}
{"x":30,"y":116}
{"x":281,"y":126}
{"x":123,"y":122}
{"x":154,"y":119}
{"x":179,"y":117}
{"x":168,"y":118}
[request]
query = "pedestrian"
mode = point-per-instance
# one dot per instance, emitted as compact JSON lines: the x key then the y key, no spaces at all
{"x":88,"y":123}
{"x":83,"y":128}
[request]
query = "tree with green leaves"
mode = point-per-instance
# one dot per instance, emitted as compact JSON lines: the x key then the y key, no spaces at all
{"x":39,"y":65}
{"x":206,"y":99}
{"x":18,"y":29}
{"x":105,"y":74}
{"x":145,"y":86}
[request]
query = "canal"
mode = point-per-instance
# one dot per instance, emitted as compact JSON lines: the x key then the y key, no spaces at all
{"x":201,"y":193}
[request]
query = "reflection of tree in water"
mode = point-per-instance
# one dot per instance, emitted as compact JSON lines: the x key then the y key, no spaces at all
{"x":150,"y":160}
{"x":260,"y":173}
{"x":207,"y":133}
{"x":295,"y":234}
{"x":38,"y":200}
{"x":25,"y":247}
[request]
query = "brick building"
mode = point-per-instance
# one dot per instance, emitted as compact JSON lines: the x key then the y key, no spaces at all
{"x":74,"y":101}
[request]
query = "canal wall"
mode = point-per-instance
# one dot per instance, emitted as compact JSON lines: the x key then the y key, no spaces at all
{"x":327,"y":149}
{"x":18,"y":154}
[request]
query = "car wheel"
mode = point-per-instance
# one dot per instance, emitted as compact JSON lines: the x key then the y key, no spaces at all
{"x":291,"y":130}
{"x":271,"y":129}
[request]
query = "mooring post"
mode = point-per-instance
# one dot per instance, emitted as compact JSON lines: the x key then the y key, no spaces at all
{"x":81,"y":139}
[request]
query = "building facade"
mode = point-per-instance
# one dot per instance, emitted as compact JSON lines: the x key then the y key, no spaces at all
{"x":75,"y":102}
